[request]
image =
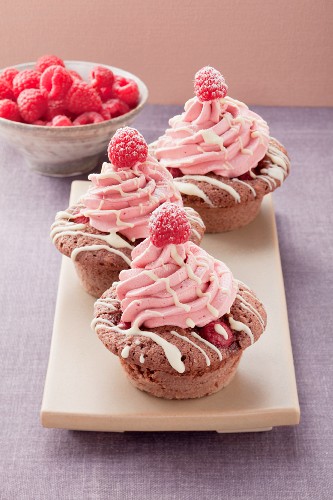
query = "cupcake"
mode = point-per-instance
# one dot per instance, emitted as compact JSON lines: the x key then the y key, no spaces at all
{"x":178,"y":319}
{"x":221,"y":155}
{"x":101,"y":230}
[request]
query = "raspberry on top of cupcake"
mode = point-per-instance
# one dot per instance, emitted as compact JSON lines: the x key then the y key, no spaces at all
{"x":220,"y":152}
{"x":177,"y":319}
{"x":100,"y":231}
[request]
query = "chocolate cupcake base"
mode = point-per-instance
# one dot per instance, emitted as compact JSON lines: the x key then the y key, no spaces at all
{"x":182,"y":386}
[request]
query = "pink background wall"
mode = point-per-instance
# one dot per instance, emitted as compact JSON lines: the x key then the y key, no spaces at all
{"x":270,"y":52}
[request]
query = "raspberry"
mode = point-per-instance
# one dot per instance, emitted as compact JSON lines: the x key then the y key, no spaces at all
{"x":115,"y":107}
{"x":126,"y":90}
{"x":27,"y":79}
{"x":209,"y":84}
{"x":101,"y":77}
{"x":55,"y":82}
{"x":105,"y":93}
{"x":5,"y":91}
{"x":127,"y":147}
{"x":245,"y":177}
{"x":61,"y":121}
{"x":48,"y":60}
{"x":9,"y":110}
{"x":75,"y":75}
{"x":32,"y":105}
{"x":168,"y":225}
{"x":41,"y":123}
{"x":211,"y":334}
{"x":82,"y":97}
{"x":54,"y":108}
{"x":175,"y":172}
{"x":8,"y":76}
{"x":87,"y":118}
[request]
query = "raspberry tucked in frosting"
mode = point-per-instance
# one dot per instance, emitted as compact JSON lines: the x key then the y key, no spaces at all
{"x":180,"y":285}
{"x":220,"y":135}
{"x":122,"y":199}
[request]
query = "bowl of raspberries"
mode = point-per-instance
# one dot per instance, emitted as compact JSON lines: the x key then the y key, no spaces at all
{"x":61,"y":114}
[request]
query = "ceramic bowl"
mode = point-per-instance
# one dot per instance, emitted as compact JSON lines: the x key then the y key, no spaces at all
{"x":68,"y":151}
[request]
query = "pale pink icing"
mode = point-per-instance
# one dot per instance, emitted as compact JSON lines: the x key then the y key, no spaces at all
{"x":234,"y":141}
{"x":159,"y":277}
{"x":121,"y":201}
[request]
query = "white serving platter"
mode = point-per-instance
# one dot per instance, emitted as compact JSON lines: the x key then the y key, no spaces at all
{"x":86,"y":389}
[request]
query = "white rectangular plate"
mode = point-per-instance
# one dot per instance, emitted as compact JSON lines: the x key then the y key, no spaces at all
{"x":86,"y":389}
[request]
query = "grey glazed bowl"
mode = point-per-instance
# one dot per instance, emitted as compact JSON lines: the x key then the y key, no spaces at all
{"x":67,"y":151}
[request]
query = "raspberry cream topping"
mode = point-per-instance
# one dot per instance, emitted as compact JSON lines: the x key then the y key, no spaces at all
{"x":221,"y":136}
{"x":121,"y":201}
{"x":178,"y":285}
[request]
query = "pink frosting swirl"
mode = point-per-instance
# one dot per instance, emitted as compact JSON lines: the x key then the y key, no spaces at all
{"x":121,"y":201}
{"x":178,"y":285}
{"x":222,"y":136}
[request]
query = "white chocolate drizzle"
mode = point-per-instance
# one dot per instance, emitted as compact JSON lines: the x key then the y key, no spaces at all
{"x":186,"y":339}
{"x":238,"y":326}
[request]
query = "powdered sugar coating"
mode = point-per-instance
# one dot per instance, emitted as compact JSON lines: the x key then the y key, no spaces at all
{"x":169,"y":224}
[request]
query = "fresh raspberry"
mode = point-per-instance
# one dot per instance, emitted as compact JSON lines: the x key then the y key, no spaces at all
{"x":209,"y":333}
{"x":55,"y":82}
{"x":27,"y":79}
{"x":115,"y":107}
{"x":209,"y":84}
{"x":48,"y":60}
{"x":54,"y":108}
{"x":9,"y":109}
{"x":126,"y":148}
{"x":105,"y":93}
{"x":8,"y":76}
{"x":41,"y":123}
{"x":32,"y":105}
{"x":175,"y":172}
{"x":82,"y":97}
{"x":5,"y":91}
{"x":168,"y":225}
{"x":126,"y":90}
{"x":101,"y":77}
{"x":245,"y":177}
{"x":75,"y":75}
{"x":87,"y":118}
{"x":81,"y":220}
{"x":61,"y":121}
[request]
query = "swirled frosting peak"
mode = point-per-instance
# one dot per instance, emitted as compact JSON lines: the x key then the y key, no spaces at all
{"x":222,"y":136}
{"x":121,"y":201}
{"x":179,"y":285}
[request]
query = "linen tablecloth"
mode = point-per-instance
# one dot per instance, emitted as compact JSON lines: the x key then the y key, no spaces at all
{"x":285,"y":463}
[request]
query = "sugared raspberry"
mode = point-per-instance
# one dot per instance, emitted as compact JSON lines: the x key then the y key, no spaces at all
{"x":168,"y":225}
{"x":126,"y":90}
{"x":127,"y":147}
{"x":82,"y":97}
{"x":115,"y":107}
{"x":209,"y":84}
{"x":9,"y":110}
{"x":48,"y":60}
{"x":101,"y":77}
{"x":8,"y":76}
{"x":32,"y":105}
{"x":61,"y":121}
{"x":5,"y":91}
{"x":87,"y":118}
{"x":26,"y":79}
{"x":211,"y":333}
{"x":175,"y":172}
{"x":55,"y":82}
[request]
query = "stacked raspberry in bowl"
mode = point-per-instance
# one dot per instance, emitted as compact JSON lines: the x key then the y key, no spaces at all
{"x":43,"y":101}
{"x":51,"y":94}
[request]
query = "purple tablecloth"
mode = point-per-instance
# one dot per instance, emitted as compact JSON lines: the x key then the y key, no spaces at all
{"x":286,"y":463}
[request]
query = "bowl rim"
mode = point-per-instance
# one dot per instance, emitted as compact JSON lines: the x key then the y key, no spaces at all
{"x":144,"y":93}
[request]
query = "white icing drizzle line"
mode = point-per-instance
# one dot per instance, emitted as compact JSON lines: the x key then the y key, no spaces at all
{"x":221,"y":331}
{"x":63,"y":227}
{"x":172,"y":353}
{"x":192,"y":190}
{"x":251,"y":188}
{"x":246,"y":305}
{"x":107,"y":303}
{"x":209,"y":180}
{"x":212,"y":346}
{"x":142,"y":359}
{"x":168,"y":288}
{"x":238,"y":326}
{"x":186,"y":339}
